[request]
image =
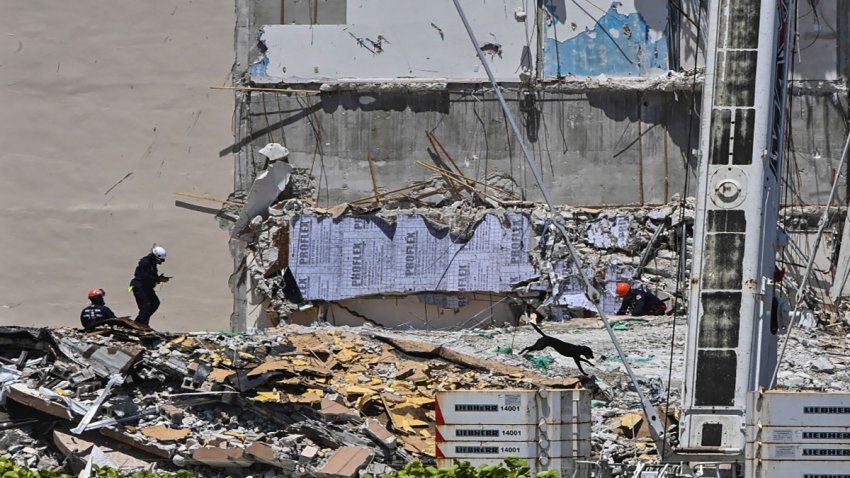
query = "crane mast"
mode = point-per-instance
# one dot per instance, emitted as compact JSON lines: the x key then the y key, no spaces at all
{"x":731,"y":344}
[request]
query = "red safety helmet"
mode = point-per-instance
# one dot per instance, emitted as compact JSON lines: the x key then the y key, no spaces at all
{"x":623,"y":288}
{"x":96,"y":293}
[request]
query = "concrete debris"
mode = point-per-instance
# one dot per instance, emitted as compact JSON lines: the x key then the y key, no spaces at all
{"x":274,"y":151}
{"x":331,"y":401}
{"x":163,"y":433}
{"x":345,"y":462}
{"x":294,"y":401}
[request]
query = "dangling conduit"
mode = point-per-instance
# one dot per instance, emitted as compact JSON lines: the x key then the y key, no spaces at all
{"x":656,"y":428}
{"x":804,"y":281}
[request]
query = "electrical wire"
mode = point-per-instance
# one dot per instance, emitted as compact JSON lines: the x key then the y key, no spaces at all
{"x":591,"y":292}
{"x":804,"y":280}
{"x":818,"y":28}
{"x":683,"y":235}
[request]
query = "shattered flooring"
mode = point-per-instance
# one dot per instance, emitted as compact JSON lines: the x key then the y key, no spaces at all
{"x":322,"y":401}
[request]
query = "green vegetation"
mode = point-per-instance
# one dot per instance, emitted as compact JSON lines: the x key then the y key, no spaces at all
{"x":8,"y":469}
{"x":512,"y":467}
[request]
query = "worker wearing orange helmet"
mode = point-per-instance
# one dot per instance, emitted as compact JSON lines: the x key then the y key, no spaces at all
{"x":97,"y":312}
{"x":639,"y":301}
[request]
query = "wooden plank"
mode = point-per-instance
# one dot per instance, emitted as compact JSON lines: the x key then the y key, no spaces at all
{"x":374,"y":180}
{"x":269,"y":90}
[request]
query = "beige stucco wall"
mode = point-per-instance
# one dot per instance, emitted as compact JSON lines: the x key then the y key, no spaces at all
{"x":89,"y":93}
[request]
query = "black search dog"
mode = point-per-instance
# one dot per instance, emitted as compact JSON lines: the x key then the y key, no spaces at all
{"x":576,"y":352}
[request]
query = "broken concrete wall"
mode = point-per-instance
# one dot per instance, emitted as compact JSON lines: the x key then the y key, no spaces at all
{"x":443,"y":267}
{"x":348,"y":269}
{"x":603,"y":140}
{"x":824,"y":41}
{"x":629,"y":38}
{"x":596,"y":147}
{"x":355,"y":40}
{"x":421,"y":40}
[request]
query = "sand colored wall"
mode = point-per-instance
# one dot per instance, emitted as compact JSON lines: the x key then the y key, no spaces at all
{"x":106,"y":112}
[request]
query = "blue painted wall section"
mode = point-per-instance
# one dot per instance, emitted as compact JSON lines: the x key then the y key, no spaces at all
{"x":618,"y":45}
{"x":259,"y":69}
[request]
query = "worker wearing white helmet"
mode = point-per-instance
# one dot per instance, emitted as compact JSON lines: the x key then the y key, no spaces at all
{"x":144,"y":280}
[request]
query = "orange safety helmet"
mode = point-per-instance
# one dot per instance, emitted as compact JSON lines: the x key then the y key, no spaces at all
{"x":623,"y":288}
{"x":96,"y":293}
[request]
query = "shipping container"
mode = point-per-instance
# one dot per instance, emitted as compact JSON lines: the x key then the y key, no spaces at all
{"x":512,"y":407}
{"x":800,"y":469}
{"x":801,"y":435}
{"x":548,"y":431}
{"x":793,"y":409}
{"x":522,"y":449}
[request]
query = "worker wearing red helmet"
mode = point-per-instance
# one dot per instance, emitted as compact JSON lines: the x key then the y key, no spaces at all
{"x":639,"y":301}
{"x":97,"y":312}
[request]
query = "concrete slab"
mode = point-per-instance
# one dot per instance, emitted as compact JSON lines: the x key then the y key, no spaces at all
{"x":346,"y":462}
{"x":223,"y":457}
{"x":270,"y":455}
{"x":24,"y":395}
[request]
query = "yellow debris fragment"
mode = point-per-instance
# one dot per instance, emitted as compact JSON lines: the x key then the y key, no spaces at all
{"x":164,"y":433}
{"x":418,"y":401}
{"x":631,"y":420}
{"x":274,"y":396}
{"x":174,"y":342}
{"x":356,"y":390}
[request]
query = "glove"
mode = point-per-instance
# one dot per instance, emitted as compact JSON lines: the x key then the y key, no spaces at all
{"x":164,"y":278}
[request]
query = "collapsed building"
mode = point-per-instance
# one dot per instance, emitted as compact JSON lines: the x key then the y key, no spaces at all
{"x":345,"y":213}
{"x":293,"y":402}
{"x":389,"y":125}
{"x":324,"y":401}
{"x":451,"y":265}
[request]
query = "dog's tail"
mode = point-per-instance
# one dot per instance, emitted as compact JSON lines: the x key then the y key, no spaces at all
{"x":537,"y":328}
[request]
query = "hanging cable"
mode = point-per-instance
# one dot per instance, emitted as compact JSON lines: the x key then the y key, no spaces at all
{"x":593,"y":296}
{"x":804,"y":280}
{"x":683,"y":235}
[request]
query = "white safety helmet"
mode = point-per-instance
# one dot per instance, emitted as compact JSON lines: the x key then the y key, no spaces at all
{"x":159,"y":253}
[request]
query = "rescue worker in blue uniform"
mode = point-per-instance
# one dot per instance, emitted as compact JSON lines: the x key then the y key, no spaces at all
{"x":639,"y":301}
{"x":142,"y":285}
{"x":97,"y":312}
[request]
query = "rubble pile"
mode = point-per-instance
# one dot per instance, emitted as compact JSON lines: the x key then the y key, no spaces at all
{"x":615,"y":244}
{"x":325,"y":401}
{"x":292,"y":402}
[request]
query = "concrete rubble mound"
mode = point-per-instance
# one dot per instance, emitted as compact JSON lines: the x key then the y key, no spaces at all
{"x":291,"y":402}
{"x":322,"y":400}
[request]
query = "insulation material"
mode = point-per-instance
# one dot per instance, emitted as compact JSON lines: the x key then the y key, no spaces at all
{"x":265,"y":191}
{"x":609,"y":233}
{"x":361,"y":255}
{"x":444,"y":301}
{"x":571,"y":288}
